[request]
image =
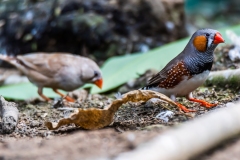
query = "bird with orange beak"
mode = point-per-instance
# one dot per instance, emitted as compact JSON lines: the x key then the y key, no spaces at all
{"x":57,"y":71}
{"x":189,"y":69}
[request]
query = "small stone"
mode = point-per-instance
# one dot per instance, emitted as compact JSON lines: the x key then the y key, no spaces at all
{"x":165,"y":115}
{"x":34,"y":124}
{"x":44,"y":115}
{"x":153,"y":102}
{"x":101,"y":104}
{"x":47,"y":133}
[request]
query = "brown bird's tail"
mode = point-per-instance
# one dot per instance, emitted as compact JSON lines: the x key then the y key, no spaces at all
{"x":9,"y":59}
{"x":18,"y":63}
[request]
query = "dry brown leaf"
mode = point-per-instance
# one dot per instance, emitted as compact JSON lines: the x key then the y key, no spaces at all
{"x":94,"y":118}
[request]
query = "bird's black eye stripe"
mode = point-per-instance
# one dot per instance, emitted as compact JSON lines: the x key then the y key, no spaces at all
{"x":207,"y":41}
{"x":207,"y":35}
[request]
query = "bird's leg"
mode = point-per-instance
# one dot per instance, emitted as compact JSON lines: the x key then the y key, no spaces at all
{"x":41,"y":94}
{"x":202,"y":102}
{"x":181,"y":107}
{"x":63,"y":96}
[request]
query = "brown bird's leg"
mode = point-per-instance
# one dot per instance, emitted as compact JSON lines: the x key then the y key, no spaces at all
{"x":63,"y":96}
{"x":41,"y":94}
{"x":202,"y":102}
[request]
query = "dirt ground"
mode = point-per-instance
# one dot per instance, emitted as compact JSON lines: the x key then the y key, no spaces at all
{"x":133,"y":124}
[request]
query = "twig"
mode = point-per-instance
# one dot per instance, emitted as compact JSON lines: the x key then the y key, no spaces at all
{"x":94,"y":118}
{"x":192,"y":138}
{"x":225,"y":77}
{"x":9,"y":115}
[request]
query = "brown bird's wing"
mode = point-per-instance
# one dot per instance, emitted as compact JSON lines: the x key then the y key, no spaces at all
{"x":170,"y":75}
{"x":45,"y":64}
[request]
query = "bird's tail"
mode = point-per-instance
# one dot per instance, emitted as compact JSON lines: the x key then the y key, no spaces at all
{"x":144,"y":88}
{"x":15,"y":61}
{"x":9,"y":59}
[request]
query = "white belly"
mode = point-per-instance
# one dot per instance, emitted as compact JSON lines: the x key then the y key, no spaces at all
{"x":185,"y":87}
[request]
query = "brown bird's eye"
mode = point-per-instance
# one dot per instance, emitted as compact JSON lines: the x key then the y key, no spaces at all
{"x":207,"y":34}
{"x":96,"y":74}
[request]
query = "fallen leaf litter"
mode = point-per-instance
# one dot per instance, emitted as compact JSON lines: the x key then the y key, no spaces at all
{"x":94,"y":118}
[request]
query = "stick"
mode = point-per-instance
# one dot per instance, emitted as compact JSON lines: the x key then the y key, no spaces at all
{"x":225,"y":77}
{"x":191,"y":138}
{"x":9,"y":115}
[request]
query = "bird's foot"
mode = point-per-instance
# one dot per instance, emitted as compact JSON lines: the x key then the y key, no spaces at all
{"x":69,"y":99}
{"x":45,"y":98}
{"x":203,"y":103}
{"x":183,"y":108}
{"x":42,"y":95}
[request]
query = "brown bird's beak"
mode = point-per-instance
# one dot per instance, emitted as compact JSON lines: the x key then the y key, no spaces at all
{"x":218,"y":38}
{"x":99,"y":83}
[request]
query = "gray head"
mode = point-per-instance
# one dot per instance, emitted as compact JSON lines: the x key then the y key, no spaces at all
{"x":91,"y":73}
{"x":198,"y":54}
{"x":205,"y":40}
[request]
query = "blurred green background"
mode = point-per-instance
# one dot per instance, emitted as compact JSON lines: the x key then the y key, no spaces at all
{"x":212,"y":13}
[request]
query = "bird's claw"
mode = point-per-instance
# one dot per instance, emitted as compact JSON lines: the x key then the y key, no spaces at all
{"x":184,"y":109}
{"x":69,"y":99}
{"x":203,"y":103}
{"x":208,"y":105}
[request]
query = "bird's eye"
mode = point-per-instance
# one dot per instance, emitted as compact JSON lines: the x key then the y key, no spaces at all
{"x":96,"y":74}
{"x":207,"y":34}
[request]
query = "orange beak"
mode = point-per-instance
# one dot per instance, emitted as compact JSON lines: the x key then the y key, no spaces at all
{"x":99,"y":83}
{"x":218,"y":38}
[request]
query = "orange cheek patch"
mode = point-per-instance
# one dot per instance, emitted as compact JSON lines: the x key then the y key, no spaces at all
{"x":200,"y":43}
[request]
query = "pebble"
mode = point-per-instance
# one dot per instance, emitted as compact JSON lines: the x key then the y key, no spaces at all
{"x":153,"y":102}
{"x":44,"y":115}
{"x":165,"y":115}
{"x":34,"y":124}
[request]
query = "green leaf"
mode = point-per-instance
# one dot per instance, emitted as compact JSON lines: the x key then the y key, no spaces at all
{"x":23,"y":91}
{"x":119,"y":70}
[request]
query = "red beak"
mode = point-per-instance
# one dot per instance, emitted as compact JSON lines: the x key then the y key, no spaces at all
{"x":99,"y":83}
{"x":218,"y":38}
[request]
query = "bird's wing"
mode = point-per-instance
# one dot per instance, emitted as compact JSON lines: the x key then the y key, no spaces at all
{"x":164,"y":74}
{"x":159,"y":77}
{"x":46,"y":64}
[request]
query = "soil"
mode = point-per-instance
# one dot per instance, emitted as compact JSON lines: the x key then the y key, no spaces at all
{"x":133,"y":124}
